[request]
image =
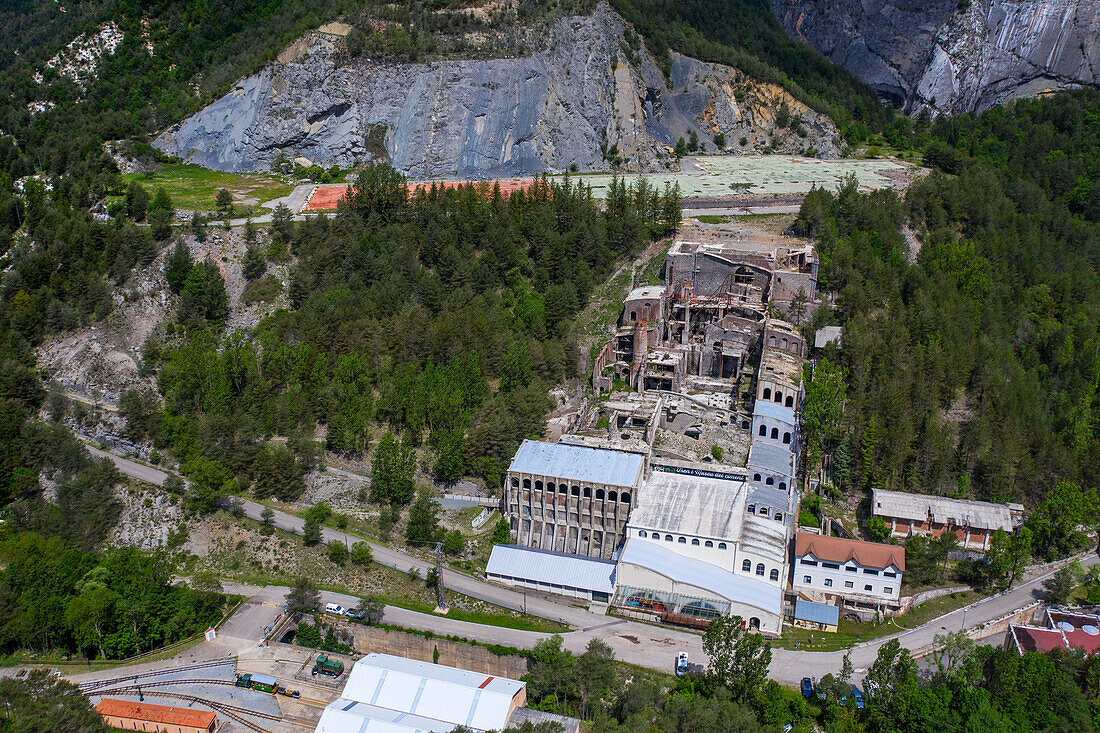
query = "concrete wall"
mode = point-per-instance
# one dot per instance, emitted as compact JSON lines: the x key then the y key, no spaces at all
{"x":369,"y":639}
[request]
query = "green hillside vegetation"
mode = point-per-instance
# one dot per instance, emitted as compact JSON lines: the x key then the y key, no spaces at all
{"x":973,"y":370}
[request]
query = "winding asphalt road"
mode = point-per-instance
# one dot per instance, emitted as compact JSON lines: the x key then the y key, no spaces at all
{"x":648,"y":645}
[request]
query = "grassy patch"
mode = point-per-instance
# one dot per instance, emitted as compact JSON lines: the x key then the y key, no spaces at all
{"x":264,"y":290}
{"x":194,"y":187}
{"x":487,"y":618}
{"x":850,"y":633}
{"x":714,"y":219}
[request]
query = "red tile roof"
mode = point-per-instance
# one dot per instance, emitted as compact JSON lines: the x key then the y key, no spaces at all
{"x":1037,"y":639}
{"x":155,"y":713}
{"x":839,"y":550}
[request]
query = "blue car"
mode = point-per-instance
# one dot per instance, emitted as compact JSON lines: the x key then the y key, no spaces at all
{"x":807,"y":688}
{"x":858,"y":696}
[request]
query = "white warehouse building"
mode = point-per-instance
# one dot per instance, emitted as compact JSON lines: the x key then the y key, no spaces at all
{"x":388,"y":694}
{"x":694,"y":549}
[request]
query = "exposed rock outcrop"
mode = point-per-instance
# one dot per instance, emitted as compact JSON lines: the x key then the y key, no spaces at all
{"x":950,"y":56}
{"x":585,"y":98}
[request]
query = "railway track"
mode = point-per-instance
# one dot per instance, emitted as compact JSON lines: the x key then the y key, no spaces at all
{"x":91,"y":685}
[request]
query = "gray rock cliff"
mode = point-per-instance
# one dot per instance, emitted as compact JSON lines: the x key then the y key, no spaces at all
{"x":564,"y":106}
{"x":949,"y":57}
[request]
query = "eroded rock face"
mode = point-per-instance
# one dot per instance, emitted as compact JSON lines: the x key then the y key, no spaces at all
{"x":931,"y":54}
{"x":562,"y":107}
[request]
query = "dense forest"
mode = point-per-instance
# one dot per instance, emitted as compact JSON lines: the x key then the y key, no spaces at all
{"x":972,"y":356}
{"x":444,"y":317}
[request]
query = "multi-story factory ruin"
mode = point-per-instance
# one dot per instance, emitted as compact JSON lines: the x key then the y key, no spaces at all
{"x":684,"y":472}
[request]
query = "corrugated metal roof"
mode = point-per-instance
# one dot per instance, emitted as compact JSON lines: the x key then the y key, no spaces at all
{"x":577,"y":463}
{"x":694,"y":505}
{"x":348,"y":716}
{"x":772,"y":458}
{"x":775,"y":411}
{"x":919,"y":507}
{"x":556,"y":568}
{"x":739,"y":588}
{"x":433,"y":691}
{"x":818,"y":613}
{"x":164,"y":714}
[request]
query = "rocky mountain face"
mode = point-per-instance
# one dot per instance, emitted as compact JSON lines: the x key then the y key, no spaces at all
{"x":951,"y":56}
{"x":584,"y":99}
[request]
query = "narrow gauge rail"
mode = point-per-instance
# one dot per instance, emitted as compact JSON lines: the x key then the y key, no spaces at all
{"x":96,"y":684}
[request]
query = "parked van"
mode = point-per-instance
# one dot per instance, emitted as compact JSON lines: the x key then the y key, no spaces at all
{"x":334,"y":608}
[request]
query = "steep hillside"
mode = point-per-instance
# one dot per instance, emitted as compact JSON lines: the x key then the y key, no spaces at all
{"x":593,"y":95}
{"x":952,"y":56}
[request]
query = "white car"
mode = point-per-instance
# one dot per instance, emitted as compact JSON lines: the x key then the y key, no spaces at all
{"x":334,"y":608}
{"x":681,"y":664}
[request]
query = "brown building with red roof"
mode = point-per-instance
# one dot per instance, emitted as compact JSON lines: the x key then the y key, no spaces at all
{"x":129,"y":715}
{"x":862,"y":578}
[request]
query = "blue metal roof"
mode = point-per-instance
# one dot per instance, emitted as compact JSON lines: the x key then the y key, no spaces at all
{"x":817,"y":613}
{"x":554,"y":568}
{"x":776,"y":411}
{"x":738,"y":588}
{"x":577,"y":463}
{"x":770,"y":457}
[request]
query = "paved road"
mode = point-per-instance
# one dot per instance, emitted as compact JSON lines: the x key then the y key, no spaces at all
{"x":644,"y":644}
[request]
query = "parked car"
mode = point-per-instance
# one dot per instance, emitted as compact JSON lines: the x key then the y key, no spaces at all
{"x":334,"y":608}
{"x":807,"y":688}
{"x":818,"y":691}
{"x":858,"y":695}
{"x":353,"y":613}
{"x":681,"y":664}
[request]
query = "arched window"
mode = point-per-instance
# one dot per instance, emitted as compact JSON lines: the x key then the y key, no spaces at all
{"x":668,"y":538}
{"x":760,"y":569}
{"x":562,"y":488}
{"x":641,"y":533}
{"x":754,"y":624}
{"x":744,"y":424}
{"x":633,"y":316}
{"x":771,"y":340}
{"x":783,"y":343}
{"x":695,"y":542}
{"x":763,"y":511}
{"x":769,"y":481}
{"x":682,"y":541}
{"x":538,"y":486}
{"x":746,"y":567}
{"x":756,"y":477}
{"x":624,"y":497}
{"x":721,"y":545}
{"x":599,"y":494}
{"x":763,"y":431}
{"x":775,"y":433}
{"x":790,"y":401}
{"x":774,"y":574}
{"x":708,"y":544}
{"x":779,"y":516}
{"x":779,"y":396}
{"x":767,"y":393}
{"x":587,"y":492}
{"x":612,"y":496}
{"x":526,"y":483}
{"x":575,"y":491}
{"x":782,"y":485}
{"x":515,"y":483}
{"x":786,"y":438}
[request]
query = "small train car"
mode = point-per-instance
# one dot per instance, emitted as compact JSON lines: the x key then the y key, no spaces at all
{"x":259,"y":682}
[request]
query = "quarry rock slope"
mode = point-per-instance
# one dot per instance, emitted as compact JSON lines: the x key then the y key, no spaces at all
{"x":582,"y":100}
{"x":949,"y":56}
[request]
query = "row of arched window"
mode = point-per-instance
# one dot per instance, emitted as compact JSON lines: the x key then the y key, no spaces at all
{"x":775,"y":434}
{"x":586,"y":492}
{"x":778,"y":398}
{"x":681,"y":540}
{"x":746,"y":567}
{"x":764,"y":511}
{"x":770,"y":481}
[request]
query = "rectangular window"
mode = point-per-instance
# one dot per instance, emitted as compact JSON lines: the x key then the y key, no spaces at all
{"x":828,"y":582}
{"x":891,"y":575}
{"x":804,"y":561}
{"x":830,"y":565}
{"x":868,"y":571}
{"x":887,"y":591}
{"x":851,"y":570}
{"x":807,"y":579}
{"x":867,"y":587}
{"x":848,"y":584}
